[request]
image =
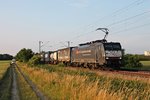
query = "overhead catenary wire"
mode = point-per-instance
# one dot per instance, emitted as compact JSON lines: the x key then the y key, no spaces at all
{"x":136,"y":2}
{"x":75,"y":38}
{"x":119,"y":11}
{"x":132,"y":28}
{"x":118,"y":22}
{"x":129,"y":18}
{"x":83,"y":34}
{"x":126,"y":25}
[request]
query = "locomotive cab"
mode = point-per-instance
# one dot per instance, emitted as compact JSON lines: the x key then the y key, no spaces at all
{"x":113,"y":54}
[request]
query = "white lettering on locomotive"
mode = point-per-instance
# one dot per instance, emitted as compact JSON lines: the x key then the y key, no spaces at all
{"x":85,"y":51}
{"x":113,"y":53}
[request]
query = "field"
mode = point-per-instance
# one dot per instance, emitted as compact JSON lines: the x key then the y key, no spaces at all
{"x":59,"y":83}
{"x":146,"y":63}
{"x":3,"y":67}
{"x":4,"y":80}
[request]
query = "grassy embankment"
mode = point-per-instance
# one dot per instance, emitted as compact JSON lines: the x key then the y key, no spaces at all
{"x":60,"y":83}
{"x":5,"y":80}
{"x":25,"y":91}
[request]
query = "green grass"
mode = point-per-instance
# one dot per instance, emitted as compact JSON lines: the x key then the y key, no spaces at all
{"x":5,"y":61}
{"x":145,"y":63}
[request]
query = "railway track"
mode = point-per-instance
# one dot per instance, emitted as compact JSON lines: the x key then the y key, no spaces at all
{"x":14,"y":88}
{"x":144,"y":74}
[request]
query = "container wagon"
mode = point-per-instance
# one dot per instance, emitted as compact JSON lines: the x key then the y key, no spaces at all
{"x":64,"y":55}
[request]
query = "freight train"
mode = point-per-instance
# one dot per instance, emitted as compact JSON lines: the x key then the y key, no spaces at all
{"x":95,"y":54}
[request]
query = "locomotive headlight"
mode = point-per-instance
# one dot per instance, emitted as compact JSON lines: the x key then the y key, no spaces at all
{"x":107,"y":57}
{"x":120,"y":57}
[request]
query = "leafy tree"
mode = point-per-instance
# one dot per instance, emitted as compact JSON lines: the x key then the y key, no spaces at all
{"x":24,"y":55}
{"x":131,"y":61}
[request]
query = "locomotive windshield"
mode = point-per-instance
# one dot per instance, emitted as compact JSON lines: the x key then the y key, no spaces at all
{"x":112,"y":46}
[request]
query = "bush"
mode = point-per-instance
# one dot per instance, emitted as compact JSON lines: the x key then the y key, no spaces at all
{"x":131,"y":61}
{"x":35,"y":60}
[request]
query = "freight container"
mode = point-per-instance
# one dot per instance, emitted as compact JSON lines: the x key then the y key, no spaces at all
{"x":64,"y":55}
{"x":47,"y":57}
{"x":54,"y":57}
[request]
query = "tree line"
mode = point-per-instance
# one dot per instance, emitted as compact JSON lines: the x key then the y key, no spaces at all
{"x":6,"y":57}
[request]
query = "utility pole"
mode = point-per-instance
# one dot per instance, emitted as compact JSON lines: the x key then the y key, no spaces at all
{"x":68,"y":43}
{"x":40,"y":45}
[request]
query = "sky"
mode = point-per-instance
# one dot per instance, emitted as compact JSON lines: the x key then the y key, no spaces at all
{"x":23,"y":23}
